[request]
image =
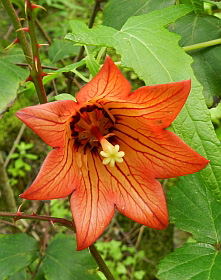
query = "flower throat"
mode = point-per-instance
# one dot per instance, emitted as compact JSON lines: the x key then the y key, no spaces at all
{"x":91,"y":127}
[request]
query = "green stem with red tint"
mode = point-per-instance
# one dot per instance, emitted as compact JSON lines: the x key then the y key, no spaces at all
{"x":17,"y":25}
{"x":32,"y":59}
{"x":36,"y":71}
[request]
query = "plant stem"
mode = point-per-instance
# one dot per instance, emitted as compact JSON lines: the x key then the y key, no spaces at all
{"x":37,"y":267}
{"x":17,"y":25}
{"x":18,"y":216}
{"x":5,"y":188}
{"x":102,"y":265}
{"x":17,"y":140}
{"x":36,"y":71}
{"x":40,"y":207}
{"x":202,"y":45}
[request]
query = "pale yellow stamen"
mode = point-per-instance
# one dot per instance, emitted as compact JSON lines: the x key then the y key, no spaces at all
{"x":111,"y":153}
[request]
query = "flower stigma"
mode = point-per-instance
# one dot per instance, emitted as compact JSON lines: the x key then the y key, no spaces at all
{"x":111,"y":153}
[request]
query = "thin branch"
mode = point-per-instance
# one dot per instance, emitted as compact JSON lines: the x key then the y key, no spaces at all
{"x":139,"y":236}
{"x":17,"y":140}
{"x":5,"y":188}
{"x":37,"y":267}
{"x":18,"y":216}
{"x":44,"y":67}
{"x":43,"y":32}
{"x":38,"y":211}
{"x":11,"y":28}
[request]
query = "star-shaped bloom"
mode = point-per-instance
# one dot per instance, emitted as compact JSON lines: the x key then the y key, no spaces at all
{"x":109,"y":148}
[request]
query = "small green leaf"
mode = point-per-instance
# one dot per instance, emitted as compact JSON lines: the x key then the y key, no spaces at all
{"x":19,"y":163}
{"x":27,"y":167}
{"x":192,"y":207}
{"x":16,"y":252}
{"x":65,"y":96}
{"x":27,"y":146}
{"x":31,"y":156}
{"x":192,"y":261}
{"x":139,"y":274}
{"x":14,"y":155}
{"x":60,"y":49}
{"x":62,"y":261}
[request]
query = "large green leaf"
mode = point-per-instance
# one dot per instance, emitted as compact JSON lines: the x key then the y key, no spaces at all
{"x":62,"y":261}
{"x":207,"y":61}
{"x":192,"y":207}
{"x":10,"y":77}
{"x":153,"y":52}
{"x":116,"y":12}
{"x":16,"y":252}
{"x":197,"y":5}
{"x":192,"y":261}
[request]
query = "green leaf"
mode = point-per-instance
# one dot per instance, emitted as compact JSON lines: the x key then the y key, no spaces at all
{"x":192,"y":261}
{"x":117,"y":12}
{"x":153,"y":52}
{"x":31,"y":156}
{"x":65,"y":96}
{"x":10,"y":77}
{"x":19,"y":163}
{"x":14,"y":155}
{"x":139,"y":274}
{"x":16,"y":252}
{"x":192,"y":207}
{"x":21,"y":275}
{"x":207,"y":61}
{"x":197,"y":5}
{"x":60,"y":49}
{"x":62,"y":261}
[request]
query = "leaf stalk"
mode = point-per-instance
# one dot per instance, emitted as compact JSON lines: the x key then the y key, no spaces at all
{"x":202,"y":45}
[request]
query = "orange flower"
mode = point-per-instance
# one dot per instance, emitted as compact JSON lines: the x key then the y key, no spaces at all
{"x":108,"y":149}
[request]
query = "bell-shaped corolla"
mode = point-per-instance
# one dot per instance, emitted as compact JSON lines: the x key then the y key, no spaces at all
{"x":109,"y":149}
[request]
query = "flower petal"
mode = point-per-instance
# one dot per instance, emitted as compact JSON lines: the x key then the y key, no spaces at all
{"x":140,"y":197}
{"x":163,"y":153}
{"x":49,"y":120}
{"x":135,"y":194}
{"x":155,"y":106}
{"x":58,"y":176}
{"x":108,"y":82}
{"x":92,"y":203}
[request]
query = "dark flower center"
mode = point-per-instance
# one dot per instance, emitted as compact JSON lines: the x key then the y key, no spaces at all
{"x":86,"y":121}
